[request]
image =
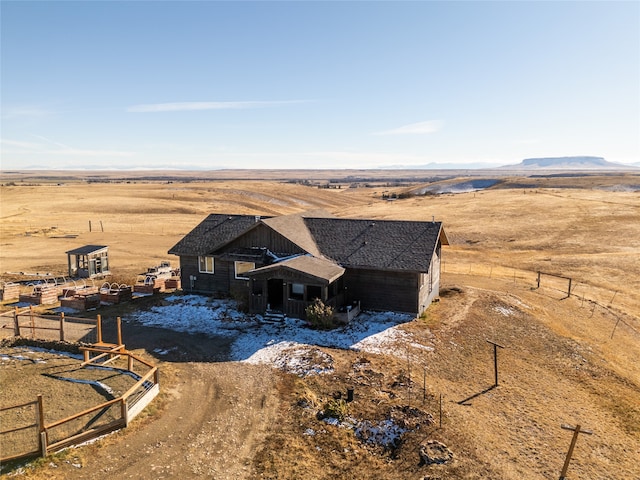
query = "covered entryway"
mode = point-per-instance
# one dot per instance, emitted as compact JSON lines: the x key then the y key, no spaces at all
{"x":291,"y":285}
{"x":275,"y":294}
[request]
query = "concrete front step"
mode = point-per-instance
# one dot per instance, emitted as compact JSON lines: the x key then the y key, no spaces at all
{"x":273,"y":317}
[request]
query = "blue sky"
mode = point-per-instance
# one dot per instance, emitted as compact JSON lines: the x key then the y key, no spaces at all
{"x":330,"y":84}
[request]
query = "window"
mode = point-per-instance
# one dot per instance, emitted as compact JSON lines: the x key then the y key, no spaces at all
{"x":296,"y":291}
{"x":242,"y":267}
{"x":314,"y":292}
{"x":206,"y":264}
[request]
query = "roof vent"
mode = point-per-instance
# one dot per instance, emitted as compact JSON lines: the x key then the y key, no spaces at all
{"x":257,"y":218}
{"x":373,"y":224}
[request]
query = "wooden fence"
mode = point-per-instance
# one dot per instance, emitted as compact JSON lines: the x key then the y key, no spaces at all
{"x":37,"y":438}
{"x":28,"y":324}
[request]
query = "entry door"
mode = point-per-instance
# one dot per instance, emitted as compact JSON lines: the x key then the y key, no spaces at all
{"x":276,"y":293}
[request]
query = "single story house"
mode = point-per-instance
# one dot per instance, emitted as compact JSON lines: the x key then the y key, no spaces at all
{"x":283,"y":263}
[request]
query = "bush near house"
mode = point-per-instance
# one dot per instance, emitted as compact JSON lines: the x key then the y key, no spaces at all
{"x":319,"y":315}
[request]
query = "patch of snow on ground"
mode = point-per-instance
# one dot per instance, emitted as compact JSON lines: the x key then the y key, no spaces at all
{"x":385,"y":433}
{"x":504,"y":311}
{"x":59,"y":353}
{"x":288,"y":344}
{"x":194,"y":314}
{"x":95,"y":383}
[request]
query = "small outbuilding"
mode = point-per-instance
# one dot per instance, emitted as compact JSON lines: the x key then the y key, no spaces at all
{"x":90,"y":261}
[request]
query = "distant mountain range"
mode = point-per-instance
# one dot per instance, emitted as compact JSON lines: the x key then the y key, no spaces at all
{"x":568,"y":163}
{"x":544,"y":163}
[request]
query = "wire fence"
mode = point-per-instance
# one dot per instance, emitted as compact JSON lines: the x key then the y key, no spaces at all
{"x":620,"y":304}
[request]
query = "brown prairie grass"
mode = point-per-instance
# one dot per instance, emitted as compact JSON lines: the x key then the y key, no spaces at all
{"x":564,"y":362}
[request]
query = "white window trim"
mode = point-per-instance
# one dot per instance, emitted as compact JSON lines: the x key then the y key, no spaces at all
{"x":213,"y":264}
{"x":240,"y":276}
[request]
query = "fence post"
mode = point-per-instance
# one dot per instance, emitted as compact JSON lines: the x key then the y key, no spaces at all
{"x":119,"y":325}
{"x":16,"y":323}
{"x":576,"y":431}
{"x":42,"y":433}
{"x":495,"y":360}
{"x":33,"y":322}
{"x":538,"y":278}
{"x":62,"y":326}
{"x":124,"y":412}
{"x":99,"y":326}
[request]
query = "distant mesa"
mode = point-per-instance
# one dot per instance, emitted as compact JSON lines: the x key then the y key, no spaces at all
{"x":570,"y":163}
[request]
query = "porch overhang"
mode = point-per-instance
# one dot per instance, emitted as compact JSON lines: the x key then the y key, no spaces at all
{"x":317,"y":270}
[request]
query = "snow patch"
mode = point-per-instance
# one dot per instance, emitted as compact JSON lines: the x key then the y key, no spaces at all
{"x":507,"y":312}
{"x":289,"y":345}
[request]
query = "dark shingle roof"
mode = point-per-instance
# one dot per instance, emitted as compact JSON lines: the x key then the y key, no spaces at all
{"x":380,"y":244}
{"x":213,"y":232}
{"x":87,"y":249}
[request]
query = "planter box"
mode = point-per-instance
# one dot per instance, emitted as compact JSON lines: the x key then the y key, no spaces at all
{"x":173,"y":283}
{"x":116,"y":295}
{"x":10,"y":291}
{"x":42,"y":295}
{"x":81,"y":302}
{"x":348,"y":313}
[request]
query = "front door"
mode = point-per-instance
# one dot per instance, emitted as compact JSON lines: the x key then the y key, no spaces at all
{"x":275,"y":293}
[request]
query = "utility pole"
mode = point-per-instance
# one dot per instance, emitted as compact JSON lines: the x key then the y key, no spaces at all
{"x":576,"y":431}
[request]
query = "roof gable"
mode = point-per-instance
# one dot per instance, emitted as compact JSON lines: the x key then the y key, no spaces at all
{"x":293,"y":228}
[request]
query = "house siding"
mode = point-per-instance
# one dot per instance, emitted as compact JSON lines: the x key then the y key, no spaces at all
{"x":429,"y":289}
{"x":383,"y":290}
{"x":262,"y":236}
{"x":216,"y":283}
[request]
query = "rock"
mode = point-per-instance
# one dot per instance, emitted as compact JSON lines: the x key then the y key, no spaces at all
{"x":434,"y":452}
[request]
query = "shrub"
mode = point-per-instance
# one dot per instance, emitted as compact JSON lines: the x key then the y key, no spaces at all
{"x":320,"y":315}
{"x":336,"y":408}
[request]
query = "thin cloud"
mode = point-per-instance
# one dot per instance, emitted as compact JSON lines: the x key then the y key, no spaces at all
{"x":26,"y":111}
{"x":419,"y":128}
{"x":196,"y":106}
{"x":28,"y":148}
{"x":19,"y":144}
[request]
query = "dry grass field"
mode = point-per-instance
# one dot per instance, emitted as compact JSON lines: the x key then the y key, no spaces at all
{"x":564,"y":363}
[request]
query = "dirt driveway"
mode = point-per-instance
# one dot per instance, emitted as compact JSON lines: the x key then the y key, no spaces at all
{"x":208,"y":421}
{"x":213,"y":416}
{"x":213,"y":438}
